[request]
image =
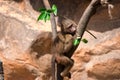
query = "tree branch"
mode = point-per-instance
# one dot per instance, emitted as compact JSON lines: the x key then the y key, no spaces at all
{"x":52,"y":19}
{"x":86,"y":17}
{"x":1,"y":71}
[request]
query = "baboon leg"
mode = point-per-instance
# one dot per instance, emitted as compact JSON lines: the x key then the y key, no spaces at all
{"x":67,"y":68}
{"x":68,"y":63}
{"x":68,"y":75}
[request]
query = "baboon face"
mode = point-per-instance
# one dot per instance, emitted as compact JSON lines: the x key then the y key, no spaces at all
{"x":71,"y":29}
{"x":68,"y":27}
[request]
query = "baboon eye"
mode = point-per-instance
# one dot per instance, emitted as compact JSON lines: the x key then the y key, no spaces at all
{"x":70,"y":26}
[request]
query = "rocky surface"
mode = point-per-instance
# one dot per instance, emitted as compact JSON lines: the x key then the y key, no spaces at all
{"x":24,"y":58}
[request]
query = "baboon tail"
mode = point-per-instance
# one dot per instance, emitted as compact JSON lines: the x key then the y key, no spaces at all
{"x":54,"y":70}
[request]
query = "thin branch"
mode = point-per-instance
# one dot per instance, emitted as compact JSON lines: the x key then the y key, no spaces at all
{"x":52,"y":19}
{"x":1,"y":71}
{"x":91,"y":34}
{"x":56,"y":73}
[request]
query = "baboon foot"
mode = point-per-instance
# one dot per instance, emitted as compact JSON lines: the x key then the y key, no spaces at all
{"x":66,"y":74}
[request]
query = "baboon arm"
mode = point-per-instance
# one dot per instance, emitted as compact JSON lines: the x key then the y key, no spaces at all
{"x":68,"y":43}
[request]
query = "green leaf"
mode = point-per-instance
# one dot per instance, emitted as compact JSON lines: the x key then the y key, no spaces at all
{"x":54,"y":8}
{"x":48,"y":16}
{"x":85,"y":40}
{"x":45,"y":14}
{"x":76,"y":41}
{"x":42,"y":10}
{"x":42,"y":16}
{"x":50,"y":11}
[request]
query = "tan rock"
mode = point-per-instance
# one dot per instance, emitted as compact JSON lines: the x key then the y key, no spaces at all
{"x":109,"y":70}
{"x":97,"y":60}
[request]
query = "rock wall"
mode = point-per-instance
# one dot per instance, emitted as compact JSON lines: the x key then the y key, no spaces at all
{"x":18,"y":30}
{"x":25,"y":58}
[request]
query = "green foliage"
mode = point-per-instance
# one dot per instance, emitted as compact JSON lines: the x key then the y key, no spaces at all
{"x":45,"y":13}
{"x":77,"y":41}
{"x":42,"y":10}
{"x":85,"y":40}
{"x":54,"y":8}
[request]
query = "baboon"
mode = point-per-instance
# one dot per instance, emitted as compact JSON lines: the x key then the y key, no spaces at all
{"x":63,"y":46}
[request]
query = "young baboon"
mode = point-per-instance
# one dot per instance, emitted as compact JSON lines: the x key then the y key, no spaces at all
{"x":63,"y":46}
